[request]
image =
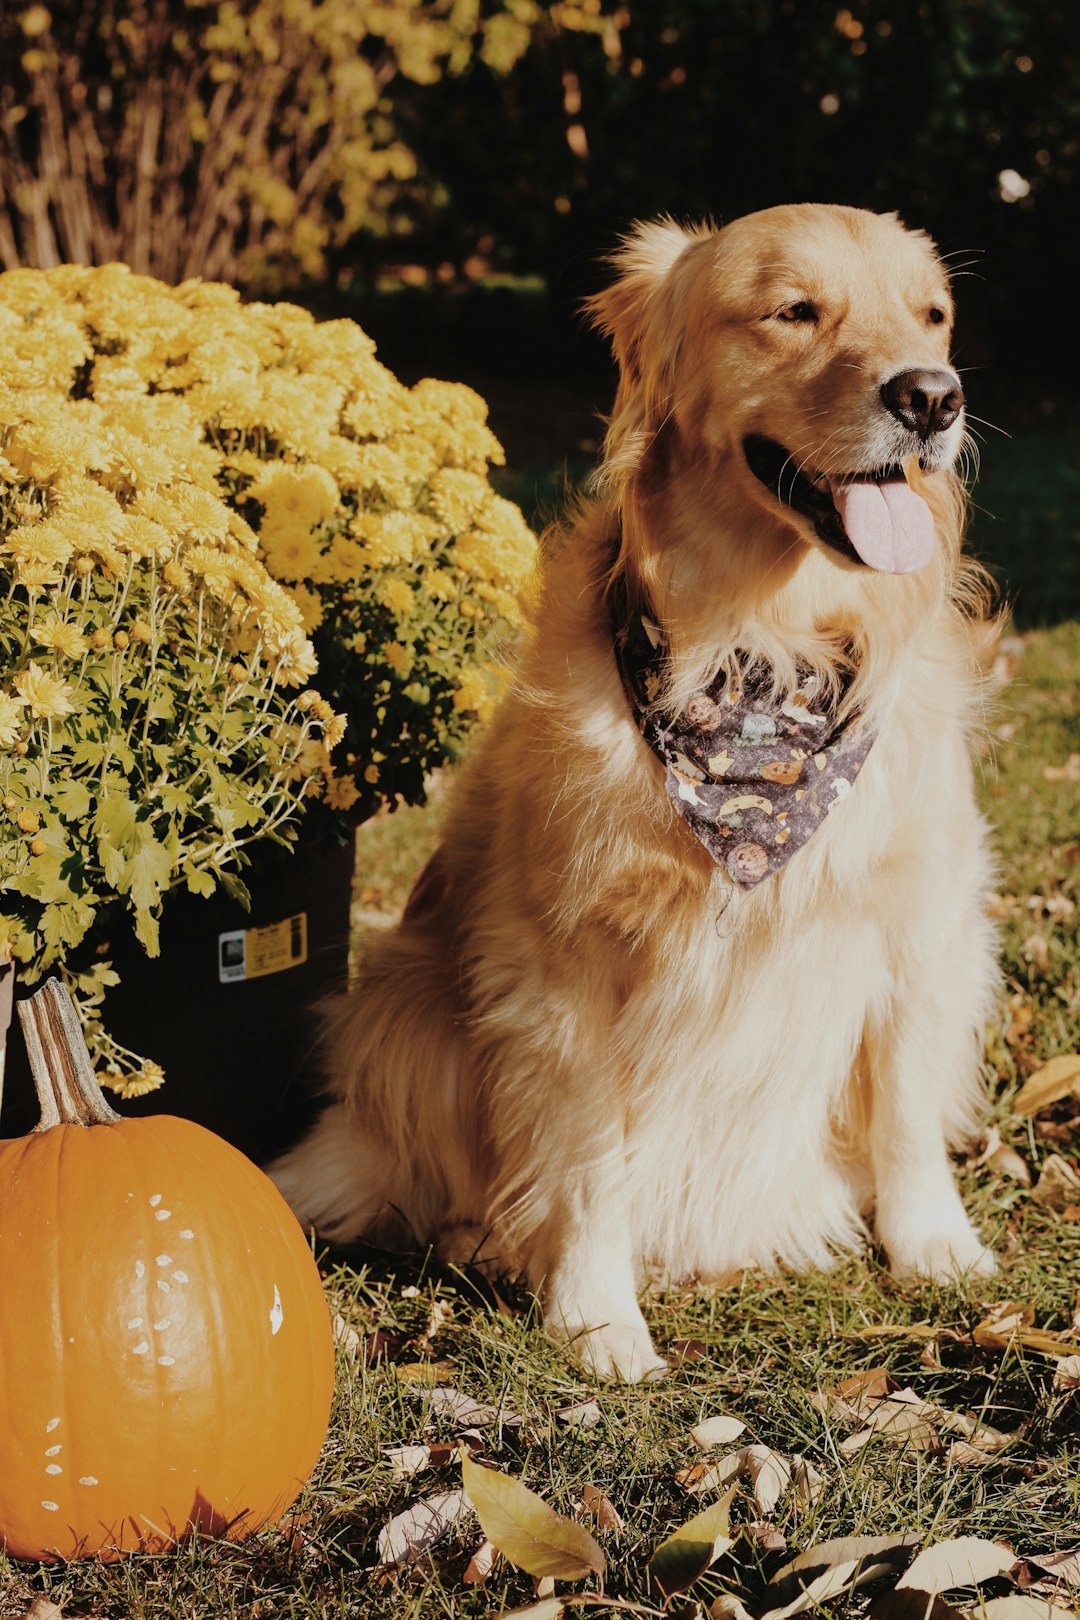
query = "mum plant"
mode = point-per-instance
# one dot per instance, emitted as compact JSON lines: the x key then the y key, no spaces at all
{"x":200,"y":502}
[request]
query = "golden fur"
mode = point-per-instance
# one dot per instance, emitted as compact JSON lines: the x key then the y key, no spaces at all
{"x":570,"y":1048}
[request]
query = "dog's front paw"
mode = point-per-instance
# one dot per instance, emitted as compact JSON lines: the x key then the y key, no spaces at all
{"x":950,"y":1254}
{"x":617,"y":1350}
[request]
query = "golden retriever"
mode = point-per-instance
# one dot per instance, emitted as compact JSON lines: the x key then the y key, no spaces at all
{"x":622,"y":1022}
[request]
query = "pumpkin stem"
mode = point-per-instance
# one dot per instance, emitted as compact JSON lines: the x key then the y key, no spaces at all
{"x":66,"y":1084}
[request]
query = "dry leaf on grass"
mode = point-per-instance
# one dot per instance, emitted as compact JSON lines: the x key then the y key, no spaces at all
{"x":965,"y":1561}
{"x":1057,"y":1079}
{"x":808,"y":1482}
{"x":1016,"y":1606}
{"x":423,"y":1374}
{"x":1062,"y":1566}
{"x":766,"y":1537}
{"x":1059,"y":1184}
{"x":582,"y":1415}
{"x":547,"y":1609}
{"x":466,"y":1413}
{"x":1067,"y":1373}
{"x":481,"y":1563}
{"x":728,"y":1607}
{"x":902,"y":1416}
{"x":692,"y":1549}
{"x":42,"y":1608}
{"x":699,"y":1478}
{"x":600,"y":1508}
{"x":863,"y":1564}
{"x":346,"y":1335}
{"x":768,"y":1472}
{"x":526,"y":1530}
{"x":406,"y":1461}
{"x":716,"y":1431}
{"x":410,"y":1533}
{"x":831,"y":1567}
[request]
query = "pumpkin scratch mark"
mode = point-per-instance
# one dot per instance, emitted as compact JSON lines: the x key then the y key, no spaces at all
{"x":277,"y":1315}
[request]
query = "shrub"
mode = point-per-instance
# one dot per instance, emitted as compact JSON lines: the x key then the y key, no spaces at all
{"x":163,"y":453}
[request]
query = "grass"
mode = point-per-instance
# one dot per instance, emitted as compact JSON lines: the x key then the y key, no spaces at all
{"x":759,"y":1349}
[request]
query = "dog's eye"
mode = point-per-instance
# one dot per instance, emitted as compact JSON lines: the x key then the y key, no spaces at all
{"x":802,"y":311}
{"x":935,"y":316}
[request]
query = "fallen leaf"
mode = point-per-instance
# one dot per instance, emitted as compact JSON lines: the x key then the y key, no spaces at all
{"x":526,"y":1530}
{"x":1007,"y":1162}
{"x":808,"y":1482}
{"x":345,"y":1335}
{"x":420,"y":1526}
{"x":544,"y":1586}
{"x":767,"y":1537}
{"x":582,"y":1415}
{"x":405,"y":1461}
{"x":728,"y":1607}
{"x":894,"y":1550}
{"x":965,"y":1561}
{"x":439,"y":1315}
{"x":548,"y":1609}
{"x":1067,"y":1373}
{"x":686,"y":1350}
{"x":1063,"y":1566}
{"x":462,"y":1410}
{"x":843,"y":1577}
{"x":1016,"y":1606}
{"x":770,"y":1474}
{"x":600,"y":1508}
{"x":716,"y":1431}
{"x":42,"y":1608}
{"x":693,"y":1548}
{"x":481,"y":1563}
{"x":1058,"y":1185}
{"x":902,"y":1417}
{"x":911,"y":1605}
{"x":423,"y":1374}
{"x":700,"y":1477}
{"x":1056,"y":1079}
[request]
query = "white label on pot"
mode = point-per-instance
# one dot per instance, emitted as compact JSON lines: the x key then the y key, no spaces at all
{"x":250,"y":953}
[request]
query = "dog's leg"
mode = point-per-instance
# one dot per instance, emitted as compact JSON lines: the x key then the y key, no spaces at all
{"x":921,"y":1063}
{"x":588,"y":1287}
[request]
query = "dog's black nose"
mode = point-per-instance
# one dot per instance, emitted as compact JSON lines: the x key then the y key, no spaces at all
{"x":925,"y":401}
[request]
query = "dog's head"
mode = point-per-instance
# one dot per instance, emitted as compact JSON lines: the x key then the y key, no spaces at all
{"x":791,"y":374}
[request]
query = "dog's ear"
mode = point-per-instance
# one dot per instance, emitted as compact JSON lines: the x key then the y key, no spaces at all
{"x":631,"y":311}
{"x":644,"y":315}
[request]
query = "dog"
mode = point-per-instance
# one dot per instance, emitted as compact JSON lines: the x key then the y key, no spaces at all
{"x":697,"y":975}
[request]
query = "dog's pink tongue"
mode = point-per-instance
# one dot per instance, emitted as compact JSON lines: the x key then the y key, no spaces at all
{"x":890,"y":526}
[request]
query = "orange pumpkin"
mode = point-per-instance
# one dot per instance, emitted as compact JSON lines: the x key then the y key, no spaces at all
{"x":166,"y":1355}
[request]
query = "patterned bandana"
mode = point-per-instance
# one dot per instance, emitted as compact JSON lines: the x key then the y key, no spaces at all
{"x":752,"y":776}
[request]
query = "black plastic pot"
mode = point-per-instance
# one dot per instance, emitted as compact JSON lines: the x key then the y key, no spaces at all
{"x":237,"y":1046}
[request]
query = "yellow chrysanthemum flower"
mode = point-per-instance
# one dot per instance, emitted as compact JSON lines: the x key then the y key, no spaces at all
{"x":61,"y":636}
{"x":11,"y":719}
{"x":46,"y":696}
{"x":138,"y":1084}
